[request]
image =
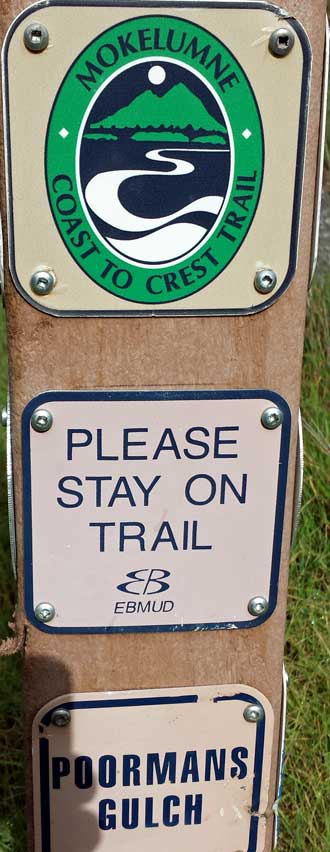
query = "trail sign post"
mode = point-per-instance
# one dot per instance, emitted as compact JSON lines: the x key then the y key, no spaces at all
{"x":161,"y":164}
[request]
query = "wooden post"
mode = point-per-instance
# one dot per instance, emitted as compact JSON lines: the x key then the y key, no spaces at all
{"x":197,"y":351}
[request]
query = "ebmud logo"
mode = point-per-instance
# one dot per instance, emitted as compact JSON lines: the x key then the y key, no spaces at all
{"x":154,"y":159}
{"x":145,"y":582}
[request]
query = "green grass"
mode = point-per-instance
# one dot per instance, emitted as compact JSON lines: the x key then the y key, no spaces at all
{"x":305,"y":809}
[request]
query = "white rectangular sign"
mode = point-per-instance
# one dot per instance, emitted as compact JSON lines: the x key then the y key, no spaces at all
{"x":153,"y":510}
{"x":180,"y":769}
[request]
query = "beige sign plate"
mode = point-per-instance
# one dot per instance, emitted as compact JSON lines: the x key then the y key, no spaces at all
{"x":142,"y":510}
{"x":180,"y":769}
{"x":155,"y":156}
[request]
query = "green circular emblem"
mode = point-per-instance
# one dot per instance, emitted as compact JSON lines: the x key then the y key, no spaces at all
{"x":154,"y":159}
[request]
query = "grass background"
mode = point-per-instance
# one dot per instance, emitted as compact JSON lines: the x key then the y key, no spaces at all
{"x":305,"y":811}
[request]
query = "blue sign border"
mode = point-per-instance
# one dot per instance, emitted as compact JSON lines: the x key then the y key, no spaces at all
{"x":123,"y":396}
{"x":45,"y":808}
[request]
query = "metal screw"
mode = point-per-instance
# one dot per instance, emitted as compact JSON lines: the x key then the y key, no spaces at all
{"x":265,"y":280}
{"x":281,"y":42}
{"x":44,"y":612}
{"x":272,"y":417}
{"x":60,"y":717}
{"x":36,"y":37}
{"x":4,"y":417}
{"x":258,"y":605}
{"x":42,"y":281}
{"x":41,"y":420}
{"x":253,"y":713}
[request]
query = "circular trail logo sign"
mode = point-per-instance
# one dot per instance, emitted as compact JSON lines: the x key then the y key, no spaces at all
{"x":154,"y":159}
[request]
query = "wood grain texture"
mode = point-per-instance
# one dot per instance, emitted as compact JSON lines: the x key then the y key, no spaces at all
{"x":262,"y":351}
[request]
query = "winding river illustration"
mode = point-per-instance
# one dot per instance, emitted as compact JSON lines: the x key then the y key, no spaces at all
{"x":155,"y":162}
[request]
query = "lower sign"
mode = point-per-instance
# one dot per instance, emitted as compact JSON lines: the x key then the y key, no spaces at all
{"x":153,"y":510}
{"x":183,"y":769}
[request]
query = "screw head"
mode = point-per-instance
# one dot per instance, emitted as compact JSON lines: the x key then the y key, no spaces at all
{"x":36,"y":37}
{"x":272,"y":417}
{"x":42,"y":281}
{"x":281,"y":42}
{"x":258,"y":605}
{"x":265,"y":280}
{"x":41,"y":420}
{"x":4,"y":417}
{"x":44,"y":612}
{"x":254,"y":713}
{"x":60,"y":717}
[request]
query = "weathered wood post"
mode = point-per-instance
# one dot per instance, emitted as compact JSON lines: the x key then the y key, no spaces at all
{"x":161,"y":187}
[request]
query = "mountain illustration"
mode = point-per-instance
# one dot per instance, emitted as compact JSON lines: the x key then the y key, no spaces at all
{"x":176,"y":110}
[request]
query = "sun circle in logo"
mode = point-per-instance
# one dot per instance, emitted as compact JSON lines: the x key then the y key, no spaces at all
{"x":154,"y":159}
